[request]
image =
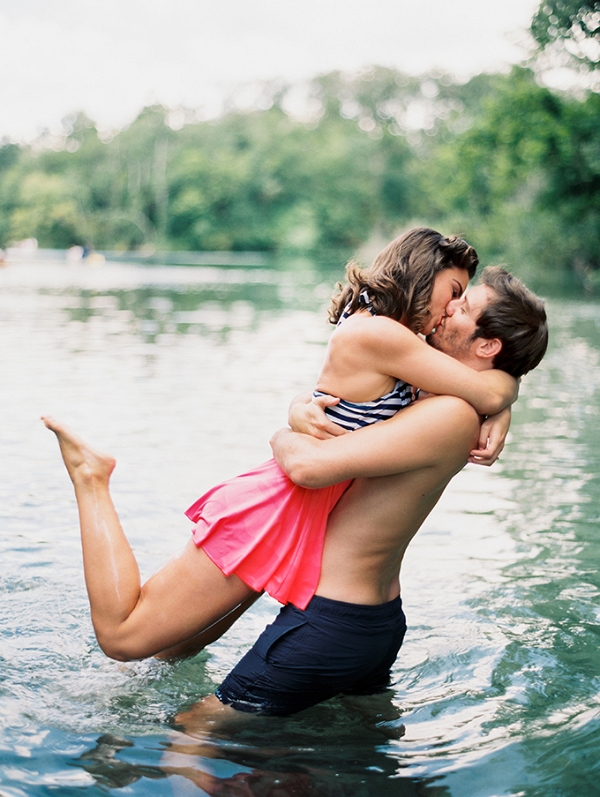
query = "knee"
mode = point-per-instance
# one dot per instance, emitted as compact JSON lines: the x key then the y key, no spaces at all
{"x":115,"y":652}
{"x":119,"y":649}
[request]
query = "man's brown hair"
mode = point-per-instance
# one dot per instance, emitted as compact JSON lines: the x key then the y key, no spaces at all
{"x":517,"y":317}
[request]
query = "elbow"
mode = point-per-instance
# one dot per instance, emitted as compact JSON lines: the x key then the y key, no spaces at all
{"x":120,"y":647}
{"x":305,"y":474}
{"x":494,"y":403}
{"x":491,"y":405}
{"x":309,"y":471}
{"x":500,"y":395}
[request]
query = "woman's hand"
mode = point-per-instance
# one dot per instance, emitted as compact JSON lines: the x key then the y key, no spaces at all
{"x":307,"y":415}
{"x":492,"y":437}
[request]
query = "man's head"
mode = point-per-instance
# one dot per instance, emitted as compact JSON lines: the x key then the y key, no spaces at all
{"x":497,"y":324}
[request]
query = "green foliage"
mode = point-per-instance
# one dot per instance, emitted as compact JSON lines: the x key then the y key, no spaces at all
{"x":572,"y":23}
{"x":526,"y":169}
{"x":258,"y":180}
{"x":501,"y":159}
{"x":232,"y":184}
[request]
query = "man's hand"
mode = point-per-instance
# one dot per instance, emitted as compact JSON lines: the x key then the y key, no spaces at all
{"x":307,"y":415}
{"x":492,"y":437}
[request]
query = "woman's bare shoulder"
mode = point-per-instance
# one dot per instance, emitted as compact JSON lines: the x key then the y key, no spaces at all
{"x":364,"y":327}
{"x":376,"y":337}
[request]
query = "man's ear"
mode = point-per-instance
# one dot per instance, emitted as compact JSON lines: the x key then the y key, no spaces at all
{"x":488,"y":348}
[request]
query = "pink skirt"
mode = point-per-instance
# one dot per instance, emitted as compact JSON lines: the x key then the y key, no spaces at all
{"x":266,"y":530}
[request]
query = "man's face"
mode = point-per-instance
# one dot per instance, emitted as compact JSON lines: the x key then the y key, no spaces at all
{"x":454,"y":335}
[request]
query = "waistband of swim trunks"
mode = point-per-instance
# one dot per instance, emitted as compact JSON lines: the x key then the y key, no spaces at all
{"x":330,"y":607}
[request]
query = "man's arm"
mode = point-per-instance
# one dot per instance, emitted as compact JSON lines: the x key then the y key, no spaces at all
{"x":306,"y":415}
{"x":414,"y":438}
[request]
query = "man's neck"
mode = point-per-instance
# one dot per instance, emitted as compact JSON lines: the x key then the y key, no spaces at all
{"x":476,"y":363}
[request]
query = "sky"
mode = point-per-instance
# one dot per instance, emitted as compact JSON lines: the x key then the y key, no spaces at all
{"x":110,"y":58}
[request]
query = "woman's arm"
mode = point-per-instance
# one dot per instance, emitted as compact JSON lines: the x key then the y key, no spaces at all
{"x":388,"y":347}
{"x":307,"y":415}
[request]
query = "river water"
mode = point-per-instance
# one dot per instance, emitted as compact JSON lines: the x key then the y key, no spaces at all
{"x":183,"y":373}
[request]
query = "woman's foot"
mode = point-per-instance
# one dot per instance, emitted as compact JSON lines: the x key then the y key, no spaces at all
{"x":83,"y":462}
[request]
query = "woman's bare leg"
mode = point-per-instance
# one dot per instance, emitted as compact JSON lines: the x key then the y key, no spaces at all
{"x":197,"y":643}
{"x":187,"y":596}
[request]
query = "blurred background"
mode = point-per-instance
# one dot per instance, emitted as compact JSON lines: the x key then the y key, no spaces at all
{"x":180,"y":186}
{"x":316,"y":128}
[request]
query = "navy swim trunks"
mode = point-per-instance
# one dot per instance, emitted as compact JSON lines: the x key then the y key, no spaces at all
{"x":307,"y":656}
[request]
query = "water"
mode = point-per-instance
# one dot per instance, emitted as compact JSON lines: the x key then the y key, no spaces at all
{"x":183,"y":374}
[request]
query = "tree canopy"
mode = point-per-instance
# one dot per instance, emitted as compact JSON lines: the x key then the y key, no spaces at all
{"x":501,"y":159}
{"x":572,"y":24}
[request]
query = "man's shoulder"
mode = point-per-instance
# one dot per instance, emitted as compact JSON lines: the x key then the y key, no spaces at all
{"x":449,"y":415}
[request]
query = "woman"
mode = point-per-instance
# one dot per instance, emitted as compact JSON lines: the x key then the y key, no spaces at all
{"x":259,"y":531}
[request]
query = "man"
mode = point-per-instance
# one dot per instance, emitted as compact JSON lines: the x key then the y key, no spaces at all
{"x":349,"y":635}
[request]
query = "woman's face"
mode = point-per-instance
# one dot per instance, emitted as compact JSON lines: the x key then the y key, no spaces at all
{"x":449,"y":284}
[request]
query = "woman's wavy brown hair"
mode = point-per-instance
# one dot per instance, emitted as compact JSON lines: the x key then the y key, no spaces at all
{"x":399,"y":283}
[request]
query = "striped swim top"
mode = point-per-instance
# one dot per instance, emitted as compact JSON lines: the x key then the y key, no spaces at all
{"x":352,"y":415}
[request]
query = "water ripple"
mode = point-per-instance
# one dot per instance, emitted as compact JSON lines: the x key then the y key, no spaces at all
{"x":496,"y":691}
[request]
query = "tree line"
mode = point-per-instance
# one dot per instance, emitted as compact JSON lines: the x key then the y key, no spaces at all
{"x":502,"y":159}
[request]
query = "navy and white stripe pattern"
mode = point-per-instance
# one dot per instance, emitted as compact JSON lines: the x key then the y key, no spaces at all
{"x":364,"y":302}
{"x":350,"y":415}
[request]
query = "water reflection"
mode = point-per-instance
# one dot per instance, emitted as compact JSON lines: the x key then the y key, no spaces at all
{"x":177,"y":301}
{"x":548,"y":602}
{"x":110,"y":771}
{"x":154,"y":312}
{"x":330,"y":750}
{"x":497,"y":686}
